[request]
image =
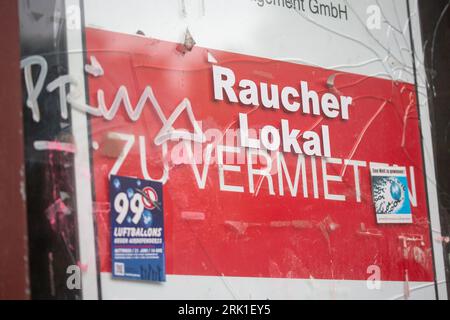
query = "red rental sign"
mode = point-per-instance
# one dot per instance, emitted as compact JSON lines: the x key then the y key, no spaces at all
{"x":301,"y":208}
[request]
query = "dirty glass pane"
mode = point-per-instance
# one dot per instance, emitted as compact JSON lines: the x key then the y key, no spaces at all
{"x":257,"y":149}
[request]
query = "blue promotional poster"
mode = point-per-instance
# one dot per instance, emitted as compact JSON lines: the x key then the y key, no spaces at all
{"x":391,"y":195}
{"x":137,"y":226}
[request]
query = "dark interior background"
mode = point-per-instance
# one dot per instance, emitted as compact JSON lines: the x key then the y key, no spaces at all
{"x":435,"y":21}
{"x":52,"y":227}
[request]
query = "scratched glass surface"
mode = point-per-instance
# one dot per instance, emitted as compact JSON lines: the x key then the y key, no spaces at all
{"x":263,"y":120}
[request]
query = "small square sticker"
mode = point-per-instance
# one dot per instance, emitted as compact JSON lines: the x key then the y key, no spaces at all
{"x":390,"y":194}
